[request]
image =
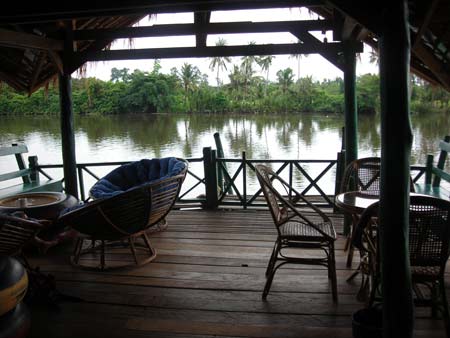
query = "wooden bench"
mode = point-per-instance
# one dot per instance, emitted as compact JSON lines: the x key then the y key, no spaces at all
{"x":434,"y":173}
{"x":30,"y":176}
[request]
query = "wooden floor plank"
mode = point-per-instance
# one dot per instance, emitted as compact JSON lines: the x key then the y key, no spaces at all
{"x":206,"y":282}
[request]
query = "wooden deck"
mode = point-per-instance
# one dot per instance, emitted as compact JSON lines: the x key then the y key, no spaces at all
{"x":206,"y":281}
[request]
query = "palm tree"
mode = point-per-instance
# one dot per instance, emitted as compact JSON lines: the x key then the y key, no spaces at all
{"x":219,"y":62}
{"x":265,"y":63}
{"x":236,"y":79}
{"x":298,"y":57}
{"x":190,"y":77}
{"x":285,"y":79}
{"x":247,"y":68}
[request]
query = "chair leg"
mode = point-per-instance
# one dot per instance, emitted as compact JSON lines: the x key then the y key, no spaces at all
{"x":445,"y":307}
{"x":77,"y":250}
{"x":435,"y":292}
{"x":133,"y":249}
{"x":268,"y":284}
{"x":273,"y":257}
{"x":350,"y":255}
{"x":147,"y":243}
{"x":270,"y":271}
{"x":332,"y":270}
{"x":102,"y":255}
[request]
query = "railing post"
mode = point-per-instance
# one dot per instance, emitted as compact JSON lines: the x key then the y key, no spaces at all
{"x":441,"y":163}
{"x":244,"y":178}
{"x":210,"y":167}
{"x":340,"y":165}
{"x":291,"y":179}
{"x":219,"y":155}
{"x":429,"y":169}
{"x":81,"y":182}
{"x":33,"y":165}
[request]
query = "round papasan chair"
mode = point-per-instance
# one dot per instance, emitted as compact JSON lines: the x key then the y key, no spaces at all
{"x":127,"y":203}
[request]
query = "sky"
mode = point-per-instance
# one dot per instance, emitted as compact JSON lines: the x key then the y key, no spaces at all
{"x":310,"y":65}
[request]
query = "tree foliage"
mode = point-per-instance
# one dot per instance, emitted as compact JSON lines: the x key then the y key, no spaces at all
{"x":187,"y":90}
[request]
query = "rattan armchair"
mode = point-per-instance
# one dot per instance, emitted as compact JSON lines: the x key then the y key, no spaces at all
{"x":296,"y":230}
{"x":16,"y":232}
{"x":122,"y":222}
{"x":362,"y":175}
{"x":429,"y":237}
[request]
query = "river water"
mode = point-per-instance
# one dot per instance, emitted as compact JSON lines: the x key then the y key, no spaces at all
{"x":132,"y":137}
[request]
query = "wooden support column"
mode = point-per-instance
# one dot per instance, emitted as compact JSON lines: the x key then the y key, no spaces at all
{"x":396,"y":140}
{"x":67,"y":126}
{"x":351,"y":116}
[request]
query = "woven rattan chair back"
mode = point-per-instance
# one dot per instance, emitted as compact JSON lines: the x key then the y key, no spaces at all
{"x":15,"y":232}
{"x":362,"y":175}
{"x":429,"y":230}
{"x":265,"y":176}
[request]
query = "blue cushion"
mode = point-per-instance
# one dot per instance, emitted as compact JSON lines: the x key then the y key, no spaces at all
{"x":136,"y":173}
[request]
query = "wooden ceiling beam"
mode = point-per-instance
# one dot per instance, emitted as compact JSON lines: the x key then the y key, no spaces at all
{"x":39,"y":12}
{"x":12,"y":81}
{"x":418,"y":69}
{"x":434,"y":65}
{"x":201,"y":19}
{"x":209,"y":28}
{"x":348,"y":27}
{"x":41,"y":58}
{"x":328,"y":54}
{"x":16,"y":39}
{"x":425,"y":23}
{"x":188,"y":52}
{"x":56,"y":60}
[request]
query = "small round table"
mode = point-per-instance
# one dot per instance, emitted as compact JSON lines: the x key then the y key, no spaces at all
{"x":40,"y":205}
{"x":355,"y":202}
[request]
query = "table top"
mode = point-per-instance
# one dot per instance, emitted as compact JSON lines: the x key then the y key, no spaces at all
{"x":355,"y":202}
{"x":31,"y":200}
{"x":39,"y":205}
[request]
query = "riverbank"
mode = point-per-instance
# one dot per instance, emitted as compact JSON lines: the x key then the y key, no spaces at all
{"x":147,"y":93}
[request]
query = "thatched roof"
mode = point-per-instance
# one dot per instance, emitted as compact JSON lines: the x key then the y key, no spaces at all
{"x":32,"y":38}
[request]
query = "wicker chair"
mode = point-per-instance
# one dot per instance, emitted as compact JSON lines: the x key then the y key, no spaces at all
{"x":122,"y":221}
{"x":296,"y":230}
{"x":16,"y":232}
{"x":363,"y":175}
{"x":429,"y":237}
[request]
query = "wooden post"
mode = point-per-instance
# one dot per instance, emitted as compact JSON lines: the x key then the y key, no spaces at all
{"x":221,"y":179}
{"x":340,"y":167}
{"x":396,"y":140}
{"x":32,"y":164}
{"x":67,"y":128}
{"x":21,"y":164}
{"x":351,"y":116}
{"x":210,"y":167}
{"x":429,"y":169}
{"x":220,"y":154}
{"x":441,"y":163}
{"x":244,"y":178}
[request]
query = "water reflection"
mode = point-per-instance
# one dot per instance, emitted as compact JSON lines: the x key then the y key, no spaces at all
{"x":293,"y":136}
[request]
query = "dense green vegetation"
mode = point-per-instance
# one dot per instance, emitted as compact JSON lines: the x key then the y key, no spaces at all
{"x":187,"y":90}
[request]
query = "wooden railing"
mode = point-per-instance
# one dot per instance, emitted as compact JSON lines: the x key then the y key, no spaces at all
{"x":237,"y":175}
{"x":231,"y":193}
{"x":87,"y":168}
